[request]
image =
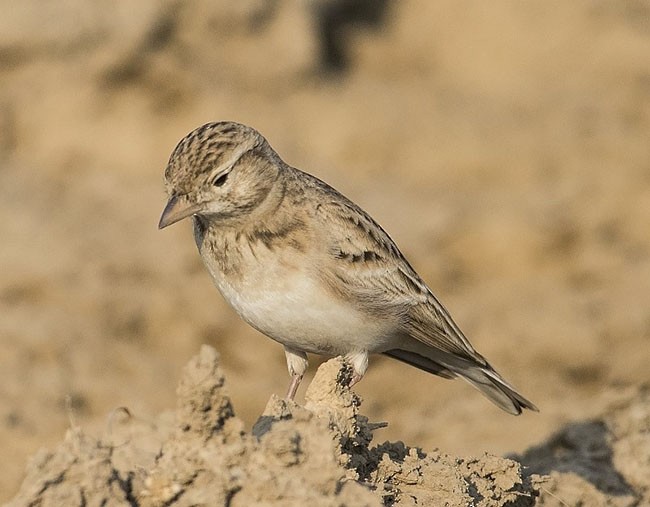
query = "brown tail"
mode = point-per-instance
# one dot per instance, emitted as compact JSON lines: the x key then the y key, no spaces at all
{"x":482,"y":377}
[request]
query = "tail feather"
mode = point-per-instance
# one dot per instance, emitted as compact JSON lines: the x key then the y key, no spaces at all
{"x":420,"y":362}
{"x":479,"y":374}
{"x":497,"y":390}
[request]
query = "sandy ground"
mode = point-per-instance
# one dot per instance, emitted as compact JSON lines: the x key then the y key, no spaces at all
{"x":322,"y":454}
{"x":504,"y":147}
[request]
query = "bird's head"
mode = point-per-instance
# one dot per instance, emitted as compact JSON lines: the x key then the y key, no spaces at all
{"x":222,"y":171}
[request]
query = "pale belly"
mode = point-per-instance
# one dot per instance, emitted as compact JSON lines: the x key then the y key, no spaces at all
{"x":293,"y":307}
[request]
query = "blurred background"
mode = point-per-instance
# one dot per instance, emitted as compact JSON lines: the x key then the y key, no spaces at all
{"x":504,"y":146}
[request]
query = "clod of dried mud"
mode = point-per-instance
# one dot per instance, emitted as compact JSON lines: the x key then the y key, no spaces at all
{"x":320,"y":454}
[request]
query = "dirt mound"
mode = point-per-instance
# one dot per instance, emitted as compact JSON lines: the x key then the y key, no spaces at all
{"x":602,"y":461}
{"x":322,"y":454}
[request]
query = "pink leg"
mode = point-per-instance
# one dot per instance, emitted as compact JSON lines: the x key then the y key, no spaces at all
{"x":293,"y":386}
{"x":359,"y":362}
{"x":355,"y":378}
{"x":297,"y":365}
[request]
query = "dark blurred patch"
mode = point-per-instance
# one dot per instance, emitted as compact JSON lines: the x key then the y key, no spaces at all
{"x":563,"y":238}
{"x":583,"y":279}
{"x":8,"y":128}
{"x":609,"y":233}
{"x":633,"y":13}
{"x":13,"y":420}
{"x":26,"y":292}
{"x":161,"y":33}
{"x":585,"y":374}
{"x":12,"y":57}
{"x":130,"y":67}
{"x":336,"y":18}
{"x":76,"y":403}
{"x":123,"y":322}
{"x":138,"y":66}
{"x":261,"y":15}
{"x":582,"y":448}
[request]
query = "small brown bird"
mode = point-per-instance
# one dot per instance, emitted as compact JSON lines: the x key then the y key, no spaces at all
{"x":307,"y":267}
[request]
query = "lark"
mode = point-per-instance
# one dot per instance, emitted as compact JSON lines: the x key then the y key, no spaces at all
{"x":309,"y":268}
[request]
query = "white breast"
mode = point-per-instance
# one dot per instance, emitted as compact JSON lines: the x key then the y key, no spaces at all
{"x":282,"y":298}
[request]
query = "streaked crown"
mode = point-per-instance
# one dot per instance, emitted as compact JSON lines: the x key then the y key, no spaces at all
{"x":206,"y":151}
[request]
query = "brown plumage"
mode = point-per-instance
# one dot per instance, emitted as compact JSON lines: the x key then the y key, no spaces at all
{"x":309,"y":268}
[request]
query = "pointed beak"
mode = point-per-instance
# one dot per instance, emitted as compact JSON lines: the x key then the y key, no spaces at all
{"x":177,"y":209}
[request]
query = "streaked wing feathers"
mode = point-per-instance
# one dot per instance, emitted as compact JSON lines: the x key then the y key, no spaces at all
{"x":371,"y":269}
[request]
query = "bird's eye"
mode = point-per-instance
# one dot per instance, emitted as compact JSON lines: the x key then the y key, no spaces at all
{"x":219,"y":182}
